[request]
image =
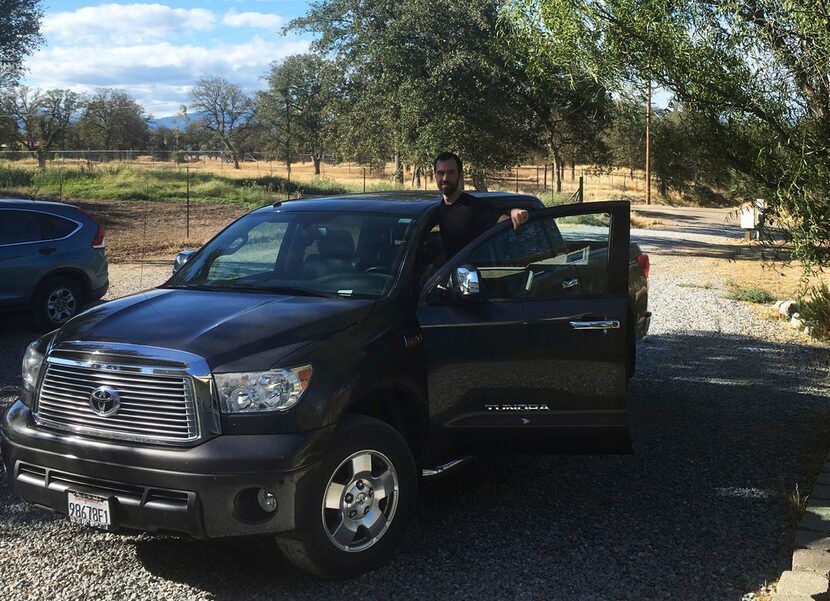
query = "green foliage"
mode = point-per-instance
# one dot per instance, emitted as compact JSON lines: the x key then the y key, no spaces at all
{"x":756,"y":71}
{"x":43,"y":116}
{"x":422,"y":77}
{"x":297,"y":110}
{"x":814,"y":308}
{"x":19,"y":36}
{"x":751,"y":295}
{"x":112,"y":120}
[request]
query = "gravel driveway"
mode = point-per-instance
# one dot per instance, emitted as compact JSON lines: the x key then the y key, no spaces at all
{"x":727,"y":425}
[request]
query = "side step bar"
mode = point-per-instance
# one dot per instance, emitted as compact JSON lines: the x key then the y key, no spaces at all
{"x":428,"y":472}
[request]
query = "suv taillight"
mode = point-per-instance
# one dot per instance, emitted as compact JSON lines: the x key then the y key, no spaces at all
{"x":645,"y":263}
{"x":100,"y":233}
{"x":98,"y":242}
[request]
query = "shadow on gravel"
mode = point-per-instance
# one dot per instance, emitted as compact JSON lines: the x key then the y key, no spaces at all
{"x":725,"y":428}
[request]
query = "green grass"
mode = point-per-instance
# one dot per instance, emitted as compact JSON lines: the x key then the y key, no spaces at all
{"x":554,"y":199}
{"x":122,"y":182}
{"x":751,"y":295}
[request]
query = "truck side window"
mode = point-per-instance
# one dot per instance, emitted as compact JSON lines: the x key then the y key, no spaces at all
{"x":545,"y":259}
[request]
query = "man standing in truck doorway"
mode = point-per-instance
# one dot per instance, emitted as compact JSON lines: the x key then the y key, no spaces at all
{"x":461,"y":217}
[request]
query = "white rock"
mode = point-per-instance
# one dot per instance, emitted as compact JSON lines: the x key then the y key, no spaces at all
{"x":788,"y":308}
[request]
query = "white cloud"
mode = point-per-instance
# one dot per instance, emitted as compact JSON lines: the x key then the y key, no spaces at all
{"x":160,"y":74}
{"x":252,"y":19}
{"x":126,"y":23}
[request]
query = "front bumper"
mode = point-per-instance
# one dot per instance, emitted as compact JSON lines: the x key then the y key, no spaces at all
{"x":196,"y":491}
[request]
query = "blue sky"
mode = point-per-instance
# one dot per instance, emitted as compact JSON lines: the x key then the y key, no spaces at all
{"x":157,"y":50}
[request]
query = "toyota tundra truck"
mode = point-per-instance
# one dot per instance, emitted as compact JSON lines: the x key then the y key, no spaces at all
{"x":300,"y":373}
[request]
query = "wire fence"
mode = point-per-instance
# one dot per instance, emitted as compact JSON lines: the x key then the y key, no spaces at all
{"x":369,"y":174}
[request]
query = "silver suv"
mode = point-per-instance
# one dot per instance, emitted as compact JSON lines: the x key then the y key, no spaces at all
{"x":52,"y":260}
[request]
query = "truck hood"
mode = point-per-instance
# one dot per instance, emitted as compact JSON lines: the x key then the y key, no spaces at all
{"x":222,"y":327}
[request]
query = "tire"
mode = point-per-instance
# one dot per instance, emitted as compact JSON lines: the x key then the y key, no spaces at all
{"x":57,"y":300}
{"x":358,"y":505}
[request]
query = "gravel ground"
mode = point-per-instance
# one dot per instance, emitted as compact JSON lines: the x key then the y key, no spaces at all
{"x":727,"y":424}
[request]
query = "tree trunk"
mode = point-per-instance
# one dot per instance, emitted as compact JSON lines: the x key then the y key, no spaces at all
{"x":41,"y":158}
{"x":398,"y":167}
{"x":573,"y":170}
{"x":316,"y":165}
{"x":479,"y":179}
{"x":557,"y":164}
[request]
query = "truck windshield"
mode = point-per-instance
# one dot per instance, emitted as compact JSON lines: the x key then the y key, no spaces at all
{"x":314,"y":254}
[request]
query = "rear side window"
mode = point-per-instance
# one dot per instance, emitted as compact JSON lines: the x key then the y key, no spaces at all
{"x":56,"y":227}
{"x":19,"y":226}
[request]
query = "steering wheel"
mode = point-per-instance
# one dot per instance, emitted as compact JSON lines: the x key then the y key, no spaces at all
{"x":377,"y":269}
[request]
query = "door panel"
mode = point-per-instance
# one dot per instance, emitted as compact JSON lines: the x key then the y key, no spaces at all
{"x":508,"y":371}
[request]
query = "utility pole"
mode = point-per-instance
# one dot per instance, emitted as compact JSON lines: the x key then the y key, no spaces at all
{"x":648,"y":142}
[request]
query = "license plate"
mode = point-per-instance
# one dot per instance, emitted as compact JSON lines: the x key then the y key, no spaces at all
{"x":88,"y":510}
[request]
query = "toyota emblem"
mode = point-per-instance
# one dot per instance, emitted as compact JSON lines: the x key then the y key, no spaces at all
{"x":104,"y":401}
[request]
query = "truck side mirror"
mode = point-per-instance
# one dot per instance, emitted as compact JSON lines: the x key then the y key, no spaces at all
{"x":181,"y":259}
{"x":465,"y":281}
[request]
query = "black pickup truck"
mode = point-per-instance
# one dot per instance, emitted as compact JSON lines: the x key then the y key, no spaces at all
{"x":299,"y":372}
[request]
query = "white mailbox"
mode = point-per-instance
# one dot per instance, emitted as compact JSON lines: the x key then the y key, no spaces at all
{"x":751,"y":214}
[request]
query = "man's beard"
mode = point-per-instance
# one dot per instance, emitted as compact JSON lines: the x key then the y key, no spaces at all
{"x":449,"y":188}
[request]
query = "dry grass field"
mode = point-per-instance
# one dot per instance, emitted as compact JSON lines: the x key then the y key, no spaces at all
{"x":533,"y":179}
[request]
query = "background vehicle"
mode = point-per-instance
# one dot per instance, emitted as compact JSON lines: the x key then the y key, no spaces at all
{"x":52,"y":260}
{"x":295,"y":373}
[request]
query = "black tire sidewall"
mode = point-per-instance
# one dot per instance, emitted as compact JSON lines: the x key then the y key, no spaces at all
{"x":357,"y":433}
{"x":41,"y":312}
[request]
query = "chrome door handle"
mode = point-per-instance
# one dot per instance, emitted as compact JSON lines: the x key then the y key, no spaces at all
{"x":570,"y":283}
{"x":601,"y":324}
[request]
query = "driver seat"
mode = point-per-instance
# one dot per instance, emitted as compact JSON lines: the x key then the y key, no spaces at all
{"x":336,"y":254}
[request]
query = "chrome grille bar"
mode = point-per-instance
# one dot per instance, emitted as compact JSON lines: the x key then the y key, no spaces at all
{"x":160,"y":400}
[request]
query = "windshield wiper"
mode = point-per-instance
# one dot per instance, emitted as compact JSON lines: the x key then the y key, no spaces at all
{"x":281,"y":290}
{"x":251,"y":288}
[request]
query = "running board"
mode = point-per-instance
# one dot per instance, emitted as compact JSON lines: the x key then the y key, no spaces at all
{"x":428,"y":472}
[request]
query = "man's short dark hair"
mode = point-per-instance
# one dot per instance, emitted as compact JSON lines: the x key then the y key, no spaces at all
{"x":446,"y":156}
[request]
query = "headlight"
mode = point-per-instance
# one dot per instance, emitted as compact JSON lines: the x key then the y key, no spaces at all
{"x":273,"y":390}
{"x":32,"y":360}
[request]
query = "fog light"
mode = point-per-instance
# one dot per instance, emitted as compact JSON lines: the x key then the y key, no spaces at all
{"x":267,"y":501}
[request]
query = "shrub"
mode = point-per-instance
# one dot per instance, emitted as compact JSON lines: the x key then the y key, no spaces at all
{"x":751,"y":295}
{"x":815,"y":311}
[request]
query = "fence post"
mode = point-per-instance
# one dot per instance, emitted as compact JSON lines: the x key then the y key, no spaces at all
{"x":364,"y":179}
{"x":581,"y":189}
{"x":187,"y":195}
{"x":517,"y":179}
{"x":60,"y":192}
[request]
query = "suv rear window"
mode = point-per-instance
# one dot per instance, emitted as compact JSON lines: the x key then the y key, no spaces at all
{"x":19,"y":226}
{"x":55,"y":227}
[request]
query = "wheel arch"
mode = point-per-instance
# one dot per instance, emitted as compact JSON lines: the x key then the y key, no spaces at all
{"x":400,"y":409}
{"x":76,"y":275}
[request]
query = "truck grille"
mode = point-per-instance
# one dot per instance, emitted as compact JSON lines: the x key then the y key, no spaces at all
{"x":137,"y":402}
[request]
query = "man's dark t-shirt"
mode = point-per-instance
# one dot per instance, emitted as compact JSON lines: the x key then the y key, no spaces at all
{"x":462,"y":221}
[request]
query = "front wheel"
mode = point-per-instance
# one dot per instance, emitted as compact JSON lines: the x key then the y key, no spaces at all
{"x":359,"y":503}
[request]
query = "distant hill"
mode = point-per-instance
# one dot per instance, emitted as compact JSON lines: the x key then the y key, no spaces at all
{"x":174,"y":121}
